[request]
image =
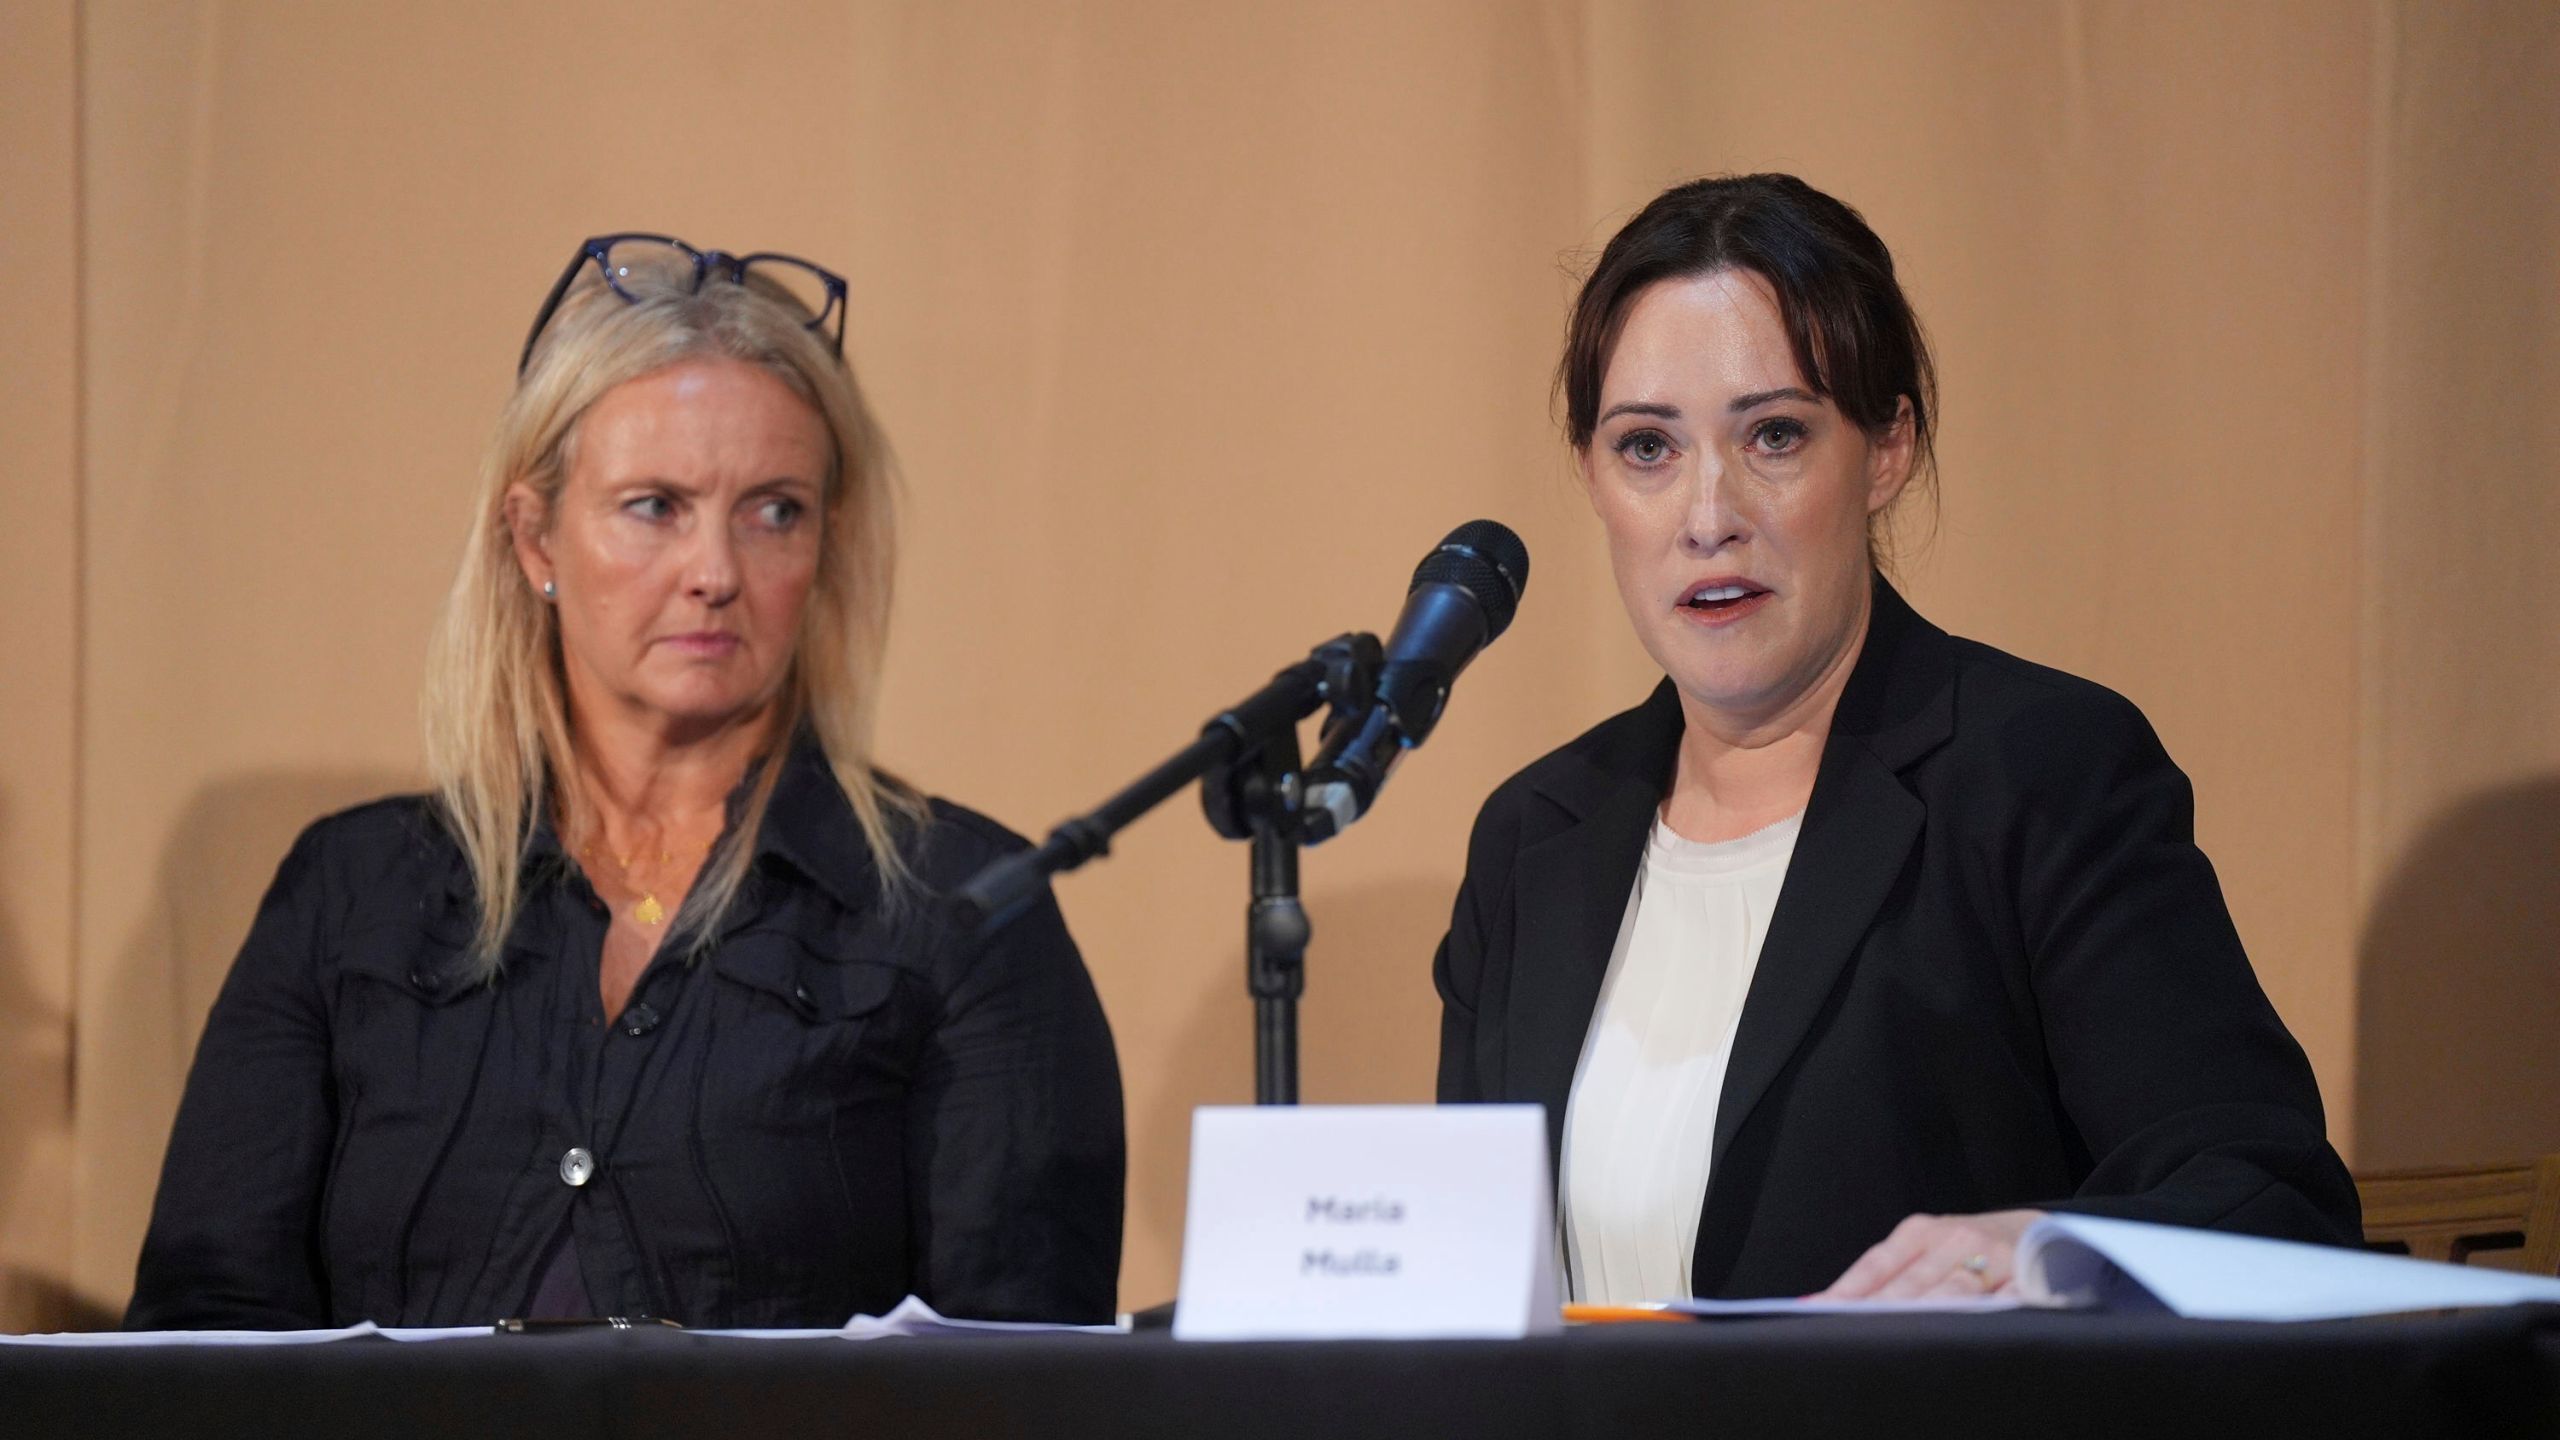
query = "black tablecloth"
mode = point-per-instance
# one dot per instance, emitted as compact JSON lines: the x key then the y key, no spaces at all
{"x":2484,"y":1373}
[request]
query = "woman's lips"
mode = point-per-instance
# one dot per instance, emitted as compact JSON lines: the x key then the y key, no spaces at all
{"x":706,"y":644}
{"x":1717,"y":607}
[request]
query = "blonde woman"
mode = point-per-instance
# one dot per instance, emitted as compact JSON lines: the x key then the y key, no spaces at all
{"x":645,"y":1009}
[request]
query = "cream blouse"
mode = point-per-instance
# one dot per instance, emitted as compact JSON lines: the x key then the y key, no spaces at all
{"x":1641,"y":1123}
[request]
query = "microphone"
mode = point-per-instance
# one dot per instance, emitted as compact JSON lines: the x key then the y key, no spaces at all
{"x":1463,"y":596}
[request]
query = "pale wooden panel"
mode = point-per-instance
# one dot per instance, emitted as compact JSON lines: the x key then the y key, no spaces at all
{"x":39,"y":470}
{"x":2460,"y":950}
{"x":1196,"y":327}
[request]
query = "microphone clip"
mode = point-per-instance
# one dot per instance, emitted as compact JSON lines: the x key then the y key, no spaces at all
{"x":1260,"y":786}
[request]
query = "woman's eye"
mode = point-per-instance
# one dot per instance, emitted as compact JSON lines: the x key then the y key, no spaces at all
{"x":1644,"y":447}
{"x":1778,"y":435}
{"x":650,"y":507}
{"x":780,"y":513}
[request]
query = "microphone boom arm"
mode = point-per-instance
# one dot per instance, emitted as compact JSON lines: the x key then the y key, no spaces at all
{"x":996,"y":894}
{"x":1254,"y":786}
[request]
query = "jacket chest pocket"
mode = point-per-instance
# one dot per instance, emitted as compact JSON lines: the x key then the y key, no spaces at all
{"x":406,"y":1031}
{"x":406,"y":1025}
{"x":797,"y":1035}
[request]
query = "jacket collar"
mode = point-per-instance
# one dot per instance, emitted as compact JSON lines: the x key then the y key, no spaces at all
{"x":1898,"y":704}
{"x":1900,"y":699}
{"x":1573,"y":887}
{"x":809,"y":828}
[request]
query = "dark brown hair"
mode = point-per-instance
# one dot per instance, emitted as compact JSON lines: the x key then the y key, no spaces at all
{"x":1854,"y":335}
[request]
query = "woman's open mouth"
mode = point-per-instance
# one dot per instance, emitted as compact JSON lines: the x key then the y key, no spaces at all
{"x":1721,"y":601}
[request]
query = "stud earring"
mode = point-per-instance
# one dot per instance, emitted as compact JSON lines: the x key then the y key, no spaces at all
{"x":550,"y":590}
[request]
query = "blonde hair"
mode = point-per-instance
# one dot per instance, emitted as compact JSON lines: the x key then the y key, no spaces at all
{"x":495,"y":707}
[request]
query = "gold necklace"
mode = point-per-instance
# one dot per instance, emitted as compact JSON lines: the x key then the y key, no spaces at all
{"x":648,"y":911}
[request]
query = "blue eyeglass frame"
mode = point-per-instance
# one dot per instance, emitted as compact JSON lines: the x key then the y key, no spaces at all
{"x":596,"y":249}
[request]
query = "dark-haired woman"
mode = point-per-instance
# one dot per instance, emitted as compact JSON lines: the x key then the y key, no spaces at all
{"x":1857,"y":945}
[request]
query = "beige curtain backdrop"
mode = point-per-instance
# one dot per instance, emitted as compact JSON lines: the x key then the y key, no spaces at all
{"x":1194,"y":324}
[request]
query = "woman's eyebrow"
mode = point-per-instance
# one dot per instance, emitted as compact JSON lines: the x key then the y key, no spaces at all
{"x":1654,"y":408}
{"x":1740,"y":403}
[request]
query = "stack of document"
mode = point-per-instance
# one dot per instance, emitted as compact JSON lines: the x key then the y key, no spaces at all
{"x":2081,"y":1262}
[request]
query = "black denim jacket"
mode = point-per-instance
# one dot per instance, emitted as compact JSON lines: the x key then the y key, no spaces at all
{"x":842,"y":1103}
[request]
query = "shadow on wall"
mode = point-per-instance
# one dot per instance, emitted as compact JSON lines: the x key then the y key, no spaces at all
{"x":215,"y":867}
{"x":35,"y":1130}
{"x":1368,"y":1033}
{"x":2458,"y":1023}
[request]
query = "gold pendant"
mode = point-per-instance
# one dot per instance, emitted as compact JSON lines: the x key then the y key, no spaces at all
{"x":648,"y":911}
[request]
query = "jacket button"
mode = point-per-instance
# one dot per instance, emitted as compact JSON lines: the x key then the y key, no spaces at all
{"x":578,"y":1166}
{"x":640,"y":1019}
{"x":426,"y":980}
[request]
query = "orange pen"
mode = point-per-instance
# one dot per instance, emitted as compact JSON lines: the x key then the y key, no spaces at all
{"x":1617,"y":1314}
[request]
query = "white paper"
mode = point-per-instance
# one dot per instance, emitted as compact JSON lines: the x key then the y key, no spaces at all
{"x":1368,"y":1221}
{"x":913,"y":1317}
{"x":1789,"y":1305}
{"x":120,"y":1339}
{"x":2208,"y":1275}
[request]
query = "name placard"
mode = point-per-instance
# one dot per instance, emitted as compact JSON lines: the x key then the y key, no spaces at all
{"x":1368,"y":1221}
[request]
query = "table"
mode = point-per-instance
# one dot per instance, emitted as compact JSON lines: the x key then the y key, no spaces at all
{"x":2478,"y":1374}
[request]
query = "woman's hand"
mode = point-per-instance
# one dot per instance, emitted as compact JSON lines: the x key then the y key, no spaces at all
{"x":1938,"y":1255}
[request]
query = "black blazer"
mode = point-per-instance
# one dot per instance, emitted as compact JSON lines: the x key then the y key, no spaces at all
{"x":844,"y":1102}
{"x":1999,"y":974}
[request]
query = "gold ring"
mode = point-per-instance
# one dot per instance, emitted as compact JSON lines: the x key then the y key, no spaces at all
{"x":1979,"y":1267}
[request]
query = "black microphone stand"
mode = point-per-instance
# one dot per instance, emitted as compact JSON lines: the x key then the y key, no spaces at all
{"x":1253,"y":796}
{"x":1247,"y":761}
